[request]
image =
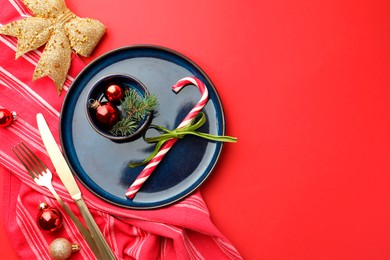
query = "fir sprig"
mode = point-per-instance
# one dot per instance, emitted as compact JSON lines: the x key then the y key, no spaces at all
{"x":123,"y":127}
{"x":135,"y":108}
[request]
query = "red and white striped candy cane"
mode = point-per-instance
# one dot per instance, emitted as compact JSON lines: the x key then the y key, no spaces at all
{"x":149,"y":168}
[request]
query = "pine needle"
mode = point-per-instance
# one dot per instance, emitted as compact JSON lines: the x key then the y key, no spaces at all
{"x":135,"y":108}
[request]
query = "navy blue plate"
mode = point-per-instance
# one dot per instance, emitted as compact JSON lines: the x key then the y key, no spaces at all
{"x":102,"y":165}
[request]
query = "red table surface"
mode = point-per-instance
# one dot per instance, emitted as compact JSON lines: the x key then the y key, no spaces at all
{"x":305,"y":86}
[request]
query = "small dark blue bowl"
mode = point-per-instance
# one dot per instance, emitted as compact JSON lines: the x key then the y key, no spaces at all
{"x":97,"y":93}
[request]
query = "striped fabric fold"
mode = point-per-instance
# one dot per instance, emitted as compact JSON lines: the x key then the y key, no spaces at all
{"x":181,"y":231}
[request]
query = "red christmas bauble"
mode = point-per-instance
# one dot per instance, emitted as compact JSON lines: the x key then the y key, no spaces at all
{"x":6,"y":117}
{"x":114,"y":93}
{"x":106,"y":113}
{"x":49,"y":218}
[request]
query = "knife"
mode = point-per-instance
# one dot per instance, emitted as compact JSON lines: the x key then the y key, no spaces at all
{"x":70,"y":184}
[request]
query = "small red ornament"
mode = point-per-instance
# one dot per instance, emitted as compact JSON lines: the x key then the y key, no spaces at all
{"x":6,"y":117}
{"x":114,"y":93}
{"x":106,"y":113}
{"x":49,"y":218}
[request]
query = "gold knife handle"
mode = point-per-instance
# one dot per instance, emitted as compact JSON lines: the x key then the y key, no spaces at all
{"x":104,"y":248}
{"x":83,"y":230}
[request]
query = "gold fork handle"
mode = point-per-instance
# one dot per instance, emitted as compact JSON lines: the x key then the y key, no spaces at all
{"x":105,"y":250}
{"x":83,"y":230}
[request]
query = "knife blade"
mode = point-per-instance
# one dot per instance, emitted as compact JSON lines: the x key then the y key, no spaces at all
{"x":67,"y":178}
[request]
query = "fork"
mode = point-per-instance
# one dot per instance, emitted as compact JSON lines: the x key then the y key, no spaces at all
{"x":43,"y":177}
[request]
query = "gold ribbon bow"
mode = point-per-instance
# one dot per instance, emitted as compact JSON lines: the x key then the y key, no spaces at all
{"x":62,"y":31}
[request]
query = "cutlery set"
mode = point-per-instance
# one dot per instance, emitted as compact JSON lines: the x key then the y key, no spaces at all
{"x":43,"y":177}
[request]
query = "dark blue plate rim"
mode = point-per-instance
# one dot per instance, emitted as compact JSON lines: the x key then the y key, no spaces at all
{"x":66,"y":123}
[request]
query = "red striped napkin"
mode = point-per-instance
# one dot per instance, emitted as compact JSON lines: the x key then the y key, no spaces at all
{"x":180,"y":231}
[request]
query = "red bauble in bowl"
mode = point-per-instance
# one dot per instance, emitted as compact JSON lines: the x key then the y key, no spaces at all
{"x":114,"y":93}
{"x":103,"y":105}
{"x":106,"y":113}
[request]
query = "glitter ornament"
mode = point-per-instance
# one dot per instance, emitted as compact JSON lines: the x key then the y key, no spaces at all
{"x":49,"y":218}
{"x":61,"y":30}
{"x":6,"y":117}
{"x":61,"y":249}
{"x":114,"y":93}
{"x":106,"y":114}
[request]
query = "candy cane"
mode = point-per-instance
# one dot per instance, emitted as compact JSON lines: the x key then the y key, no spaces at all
{"x":149,"y":168}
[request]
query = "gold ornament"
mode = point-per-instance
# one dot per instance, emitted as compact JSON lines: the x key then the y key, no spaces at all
{"x":61,"y":249}
{"x":61,"y":30}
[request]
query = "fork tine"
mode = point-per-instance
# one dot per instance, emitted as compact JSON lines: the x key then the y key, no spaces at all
{"x":38,"y":162}
{"x":26,"y":156}
{"x":20,"y":156}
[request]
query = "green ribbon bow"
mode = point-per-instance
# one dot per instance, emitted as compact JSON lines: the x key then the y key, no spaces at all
{"x":179,"y":133}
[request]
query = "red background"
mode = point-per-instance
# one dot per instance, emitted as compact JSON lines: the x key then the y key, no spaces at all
{"x":305,"y":88}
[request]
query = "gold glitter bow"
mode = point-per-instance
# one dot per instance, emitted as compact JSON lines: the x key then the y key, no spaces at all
{"x":62,"y":31}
